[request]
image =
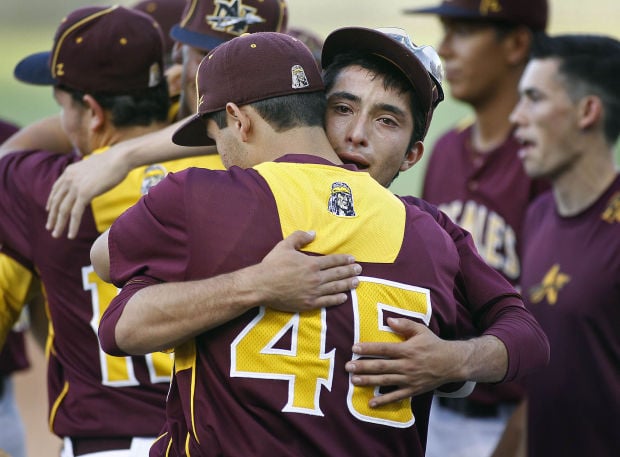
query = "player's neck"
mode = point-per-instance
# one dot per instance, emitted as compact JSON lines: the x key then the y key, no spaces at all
{"x":577,"y":188}
{"x":112,"y":136}
{"x":301,"y":140}
{"x":492,"y":125}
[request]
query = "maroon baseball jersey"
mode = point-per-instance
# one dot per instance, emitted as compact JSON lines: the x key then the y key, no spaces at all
{"x":90,"y":393}
{"x":272,"y":383}
{"x":487,"y":194}
{"x":571,"y":283}
{"x":13,"y":355}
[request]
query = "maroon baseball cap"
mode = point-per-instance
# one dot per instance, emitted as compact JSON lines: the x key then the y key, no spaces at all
{"x":421,"y":65}
{"x":111,"y":50}
{"x":248,"y":69}
{"x":310,"y":39}
{"x":532,"y":13}
{"x":167,"y":13}
{"x":208,"y":23}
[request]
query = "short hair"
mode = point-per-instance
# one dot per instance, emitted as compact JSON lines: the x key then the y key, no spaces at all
{"x":589,"y":65}
{"x":135,"y":108}
{"x":285,"y":112}
{"x":393,"y":79}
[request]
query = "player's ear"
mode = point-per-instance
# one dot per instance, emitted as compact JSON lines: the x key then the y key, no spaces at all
{"x":590,"y":111}
{"x":517,"y":44}
{"x":239,"y":120}
{"x":96,"y":112}
{"x":412,"y":156}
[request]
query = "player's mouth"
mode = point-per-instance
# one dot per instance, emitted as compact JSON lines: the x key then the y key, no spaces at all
{"x":526,"y":144}
{"x":350,"y":157}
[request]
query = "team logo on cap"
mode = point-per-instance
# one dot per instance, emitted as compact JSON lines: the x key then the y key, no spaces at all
{"x":490,"y":6}
{"x":298,"y":75}
{"x":152,"y":176}
{"x":341,"y":200}
{"x":233,"y":17}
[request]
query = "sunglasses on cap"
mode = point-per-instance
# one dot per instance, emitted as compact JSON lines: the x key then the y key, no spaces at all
{"x":425,"y":54}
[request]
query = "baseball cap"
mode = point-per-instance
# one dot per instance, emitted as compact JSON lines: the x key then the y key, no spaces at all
{"x":310,"y":39}
{"x":111,"y":50}
{"x":208,"y":23}
{"x":167,"y":13}
{"x":532,"y":13}
{"x":248,"y":69}
{"x":421,"y":65}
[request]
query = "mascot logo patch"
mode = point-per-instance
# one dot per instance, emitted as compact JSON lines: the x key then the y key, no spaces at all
{"x":341,"y":200}
{"x":300,"y":80}
{"x":233,"y":17}
{"x":152,"y":176}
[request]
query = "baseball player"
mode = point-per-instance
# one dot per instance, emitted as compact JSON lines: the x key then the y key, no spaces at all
{"x":273,"y":380}
{"x":97,"y":403}
{"x":13,"y":358}
{"x":204,"y":25}
{"x":567,"y":125}
{"x":474,"y":175}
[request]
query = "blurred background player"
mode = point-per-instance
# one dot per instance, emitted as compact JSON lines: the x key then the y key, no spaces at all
{"x":204,"y":25}
{"x":13,"y":358}
{"x":475,"y":176}
{"x":567,"y":124}
{"x":96,"y":403}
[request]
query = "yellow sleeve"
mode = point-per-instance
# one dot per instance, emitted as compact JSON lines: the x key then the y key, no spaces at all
{"x":15,"y":281}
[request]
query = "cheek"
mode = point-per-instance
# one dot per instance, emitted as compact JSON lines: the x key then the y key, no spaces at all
{"x":335,"y":128}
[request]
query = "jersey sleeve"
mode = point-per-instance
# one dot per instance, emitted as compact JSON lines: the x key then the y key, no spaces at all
{"x":495,"y":306}
{"x":107,"y":325}
{"x":150,"y":238}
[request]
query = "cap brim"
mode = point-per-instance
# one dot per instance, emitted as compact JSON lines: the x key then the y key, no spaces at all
{"x":193,"y":133}
{"x":194,"y":39}
{"x":445,"y":11}
{"x":372,"y":41}
{"x":35,"y":69}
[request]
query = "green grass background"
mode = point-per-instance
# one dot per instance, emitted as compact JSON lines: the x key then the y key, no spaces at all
{"x":28,"y":26}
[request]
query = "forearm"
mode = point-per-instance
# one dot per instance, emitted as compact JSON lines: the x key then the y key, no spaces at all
{"x":45,"y":134}
{"x":155,"y":147}
{"x":161,"y":316}
{"x":482,"y":359}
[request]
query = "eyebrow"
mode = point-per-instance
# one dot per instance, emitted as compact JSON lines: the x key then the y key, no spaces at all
{"x":381,"y":106}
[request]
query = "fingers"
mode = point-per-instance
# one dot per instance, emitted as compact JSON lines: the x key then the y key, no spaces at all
{"x":391,"y":397}
{"x":381,"y":367}
{"x":299,"y":238}
{"x":325,"y":301}
{"x":77,"y":211}
{"x":59,"y":213}
{"x":406,"y":327}
{"x":334,"y":260}
{"x":384,"y":350}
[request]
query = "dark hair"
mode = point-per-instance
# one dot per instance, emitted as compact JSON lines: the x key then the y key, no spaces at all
{"x":393,"y":79}
{"x":141,"y":107}
{"x":286,"y":112}
{"x":589,"y":65}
